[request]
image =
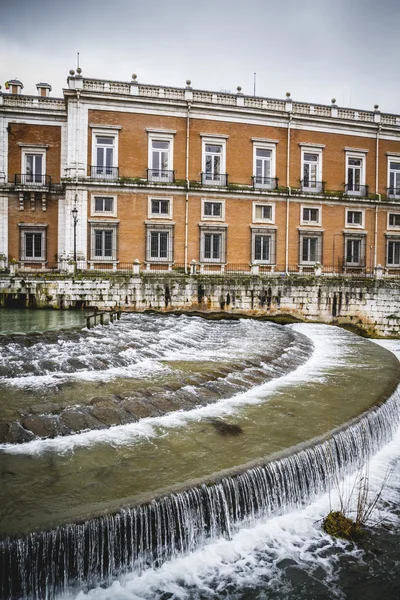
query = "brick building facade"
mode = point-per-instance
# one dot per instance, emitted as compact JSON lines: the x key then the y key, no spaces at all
{"x":174,"y":175}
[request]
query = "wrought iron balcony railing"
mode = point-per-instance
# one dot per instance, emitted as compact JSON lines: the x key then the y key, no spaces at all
{"x":103,"y":172}
{"x":219,"y":179}
{"x":160,"y":175}
{"x":356,"y":189}
{"x":32,"y":179}
{"x":313,"y":187}
{"x":393,"y":192}
{"x":266,"y":183}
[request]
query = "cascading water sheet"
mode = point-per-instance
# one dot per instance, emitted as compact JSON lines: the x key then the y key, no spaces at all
{"x":133,"y":463}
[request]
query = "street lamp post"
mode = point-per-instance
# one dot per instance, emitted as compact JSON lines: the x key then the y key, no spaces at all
{"x":75,"y":218}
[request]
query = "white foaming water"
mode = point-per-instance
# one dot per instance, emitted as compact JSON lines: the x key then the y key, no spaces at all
{"x":133,"y":348}
{"x":329,"y":352}
{"x":258,"y":556}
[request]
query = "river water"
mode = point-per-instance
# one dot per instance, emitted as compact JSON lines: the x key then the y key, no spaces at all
{"x":279,"y":386}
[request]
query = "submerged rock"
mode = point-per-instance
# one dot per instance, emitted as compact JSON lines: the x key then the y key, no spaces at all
{"x":224,"y":428}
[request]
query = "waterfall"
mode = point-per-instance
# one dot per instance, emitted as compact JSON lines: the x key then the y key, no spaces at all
{"x":80,"y":556}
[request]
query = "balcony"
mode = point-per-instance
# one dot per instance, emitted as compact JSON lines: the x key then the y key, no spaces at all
{"x":393,"y":192}
{"x":265,"y":183}
{"x":356,"y":189}
{"x":32,"y":181}
{"x":104,"y":173}
{"x":312,"y":187}
{"x":160,"y":175}
{"x":214,"y":179}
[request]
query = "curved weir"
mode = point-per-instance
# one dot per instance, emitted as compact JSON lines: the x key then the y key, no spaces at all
{"x":192,"y":475}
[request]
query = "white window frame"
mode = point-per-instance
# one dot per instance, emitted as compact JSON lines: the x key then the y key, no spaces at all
{"x":312,"y":150}
{"x":264,"y":146}
{"x":152,"y":215}
{"x":393,"y":239}
{"x":396,"y":159}
{"x":303,"y":221}
{"x":161,"y":136}
{"x":105,"y":132}
{"x":93,"y":210}
{"x":152,"y":227}
{"x":260,"y":220}
{"x":265,"y":231}
{"x":359,"y":155}
{"x":215,"y":141}
{"x":205,"y":217}
{"x":389,"y":226}
{"x":355,"y":225}
{"x":103,"y":225}
{"x":36,"y":150}
{"x":310,"y":234}
{"x":37,"y":229}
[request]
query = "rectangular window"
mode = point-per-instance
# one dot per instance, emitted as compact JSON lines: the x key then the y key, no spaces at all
{"x":353,"y":251}
{"x":103,"y":243}
{"x":310,"y":215}
{"x":263,"y":212}
{"x":394,"y":178}
{"x":394,"y":220}
{"x":309,"y":249}
{"x":103,"y":204}
{"x":104,"y":154}
{"x":33,"y":244}
{"x":213,"y":162}
{"x":160,"y":157}
{"x":310,"y":171}
{"x":212,"y":210}
{"x":393,"y":253}
{"x":263,"y":165}
{"x":212,"y":246}
{"x":34,"y":168}
{"x":160,"y":207}
{"x":262,"y":248}
{"x":355,"y":175}
{"x":159,"y":244}
{"x":354,"y":218}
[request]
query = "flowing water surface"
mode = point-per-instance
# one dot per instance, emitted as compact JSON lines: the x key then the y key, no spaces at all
{"x":241,"y":391}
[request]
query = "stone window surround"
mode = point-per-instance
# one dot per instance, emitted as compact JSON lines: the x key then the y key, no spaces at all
{"x":33,"y":228}
{"x":95,"y":213}
{"x":103,"y":224}
{"x":151,"y":215}
{"x":271,"y":231}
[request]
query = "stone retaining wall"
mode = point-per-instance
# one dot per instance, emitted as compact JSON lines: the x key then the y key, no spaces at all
{"x":373,"y":304}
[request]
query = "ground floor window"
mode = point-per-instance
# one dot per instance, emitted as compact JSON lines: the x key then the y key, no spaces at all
{"x":212,"y":245}
{"x":354,"y":251}
{"x":310,"y":248}
{"x":33,"y":243}
{"x":263,"y":246}
{"x":159,"y":243}
{"x":104,"y":241}
{"x":393,"y":253}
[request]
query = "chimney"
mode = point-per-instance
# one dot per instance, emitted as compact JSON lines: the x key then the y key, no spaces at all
{"x":15,"y":86}
{"x":43,"y":89}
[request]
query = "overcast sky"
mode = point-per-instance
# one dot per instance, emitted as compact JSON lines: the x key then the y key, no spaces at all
{"x":315,"y":49}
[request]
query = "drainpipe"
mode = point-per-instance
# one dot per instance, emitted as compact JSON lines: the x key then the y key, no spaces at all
{"x":187,"y":185}
{"x":288,"y":196}
{"x":377,"y":194}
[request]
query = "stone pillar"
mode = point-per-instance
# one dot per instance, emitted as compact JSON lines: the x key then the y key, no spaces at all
{"x":255,"y":269}
{"x":77,"y":139}
{"x":193,"y":265}
{"x":136,"y":266}
{"x":378,"y":271}
{"x":66,"y":225}
{"x":4,"y":227}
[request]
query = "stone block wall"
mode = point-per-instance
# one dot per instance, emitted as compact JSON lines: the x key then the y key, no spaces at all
{"x":371,"y":304}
